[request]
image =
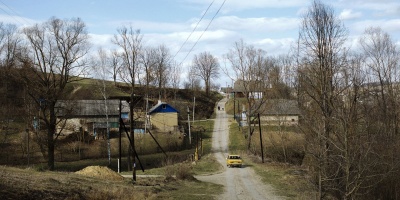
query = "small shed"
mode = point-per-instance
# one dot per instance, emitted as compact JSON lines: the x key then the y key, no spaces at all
{"x":163,"y":117}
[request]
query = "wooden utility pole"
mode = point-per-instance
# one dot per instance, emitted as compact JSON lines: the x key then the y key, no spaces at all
{"x":120,"y":136}
{"x":234,"y":105}
{"x":259,"y":127}
{"x":131,"y":126}
{"x":190,"y":136}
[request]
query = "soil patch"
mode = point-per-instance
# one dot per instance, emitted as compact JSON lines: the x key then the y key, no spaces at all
{"x":100,"y":172}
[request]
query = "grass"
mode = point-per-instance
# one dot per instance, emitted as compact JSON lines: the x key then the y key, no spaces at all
{"x":31,"y":184}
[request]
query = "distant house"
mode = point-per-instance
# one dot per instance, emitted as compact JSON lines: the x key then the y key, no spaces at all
{"x":252,"y":89}
{"x":163,"y":117}
{"x":279,"y":112}
{"x":90,"y":115}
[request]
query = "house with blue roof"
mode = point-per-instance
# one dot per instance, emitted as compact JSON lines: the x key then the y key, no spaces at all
{"x":163,"y":117}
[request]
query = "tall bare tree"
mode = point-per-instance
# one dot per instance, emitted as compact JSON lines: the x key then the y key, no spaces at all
{"x":162,"y":68}
{"x":381,"y":64}
{"x":9,"y":45}
{"x":382,"y":59}
{"x":130,"y":43}
{"x":207,"y":68}
{"x":55,"y":57}
{"x":320,"y":45}
{"x":103,"y":65}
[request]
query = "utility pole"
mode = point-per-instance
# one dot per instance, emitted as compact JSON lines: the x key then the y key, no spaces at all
{"x":27,"y":134}
{"x":120,"y":135}
{"x":259,"y":127}
{"x":131,"y":126}
{"x":190,"y":136}
{"x":234,"y":105}
{"x":194,"y":105}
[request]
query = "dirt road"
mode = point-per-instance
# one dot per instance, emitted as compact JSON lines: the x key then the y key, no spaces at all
{"x":240,"y":183}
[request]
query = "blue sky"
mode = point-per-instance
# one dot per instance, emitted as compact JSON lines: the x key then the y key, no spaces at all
{"x":268,"y":24}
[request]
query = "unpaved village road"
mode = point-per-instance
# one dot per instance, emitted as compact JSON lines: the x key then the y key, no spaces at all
{"x":240,"y":183}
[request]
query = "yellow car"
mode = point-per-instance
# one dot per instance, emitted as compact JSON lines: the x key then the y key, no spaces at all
{"x":234,"y":161}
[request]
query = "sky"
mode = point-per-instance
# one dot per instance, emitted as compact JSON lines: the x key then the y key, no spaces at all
{"x":271,"y":25}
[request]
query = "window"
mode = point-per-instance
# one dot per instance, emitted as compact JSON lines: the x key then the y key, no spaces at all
{"x":164,"y":106}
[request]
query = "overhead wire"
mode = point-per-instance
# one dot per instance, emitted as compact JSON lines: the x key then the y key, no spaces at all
{"x":194,"y":29}
{"x":203,"y":32}
{"x":12,"y":16}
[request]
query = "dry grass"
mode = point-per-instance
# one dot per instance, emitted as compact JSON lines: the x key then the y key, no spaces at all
{"x":30,"y":184}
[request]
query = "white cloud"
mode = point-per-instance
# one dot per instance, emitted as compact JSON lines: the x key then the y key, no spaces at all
{"x":19,"y":21}
{"x":260,"y":25}
{"x":390,"y":26}
{"x":348,"y":14}
{"x":235,"y":5}
{"x":275,"y":46}
{"x":151,"y":26}
{"x":374,"y":8}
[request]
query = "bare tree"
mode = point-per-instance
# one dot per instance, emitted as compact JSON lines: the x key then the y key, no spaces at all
{"x":9,"y":44}
{"x":103,"y":64}
{"x":176,"y":71}
{"x":116,"y":63}
{"x":381,"y":65}
{"x":148,"y":63}
{"x":320,"y":46}
{"x":382,"y":59}
{"x":54,"y":58}
{"x":162,"y":68}
{"x":249,"y":69}
{"x":206,"y":66}
{"x":130,"y":43}
{"x":193,"y":81}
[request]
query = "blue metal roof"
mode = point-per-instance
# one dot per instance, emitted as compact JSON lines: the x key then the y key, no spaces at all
{"x":162,"y":108}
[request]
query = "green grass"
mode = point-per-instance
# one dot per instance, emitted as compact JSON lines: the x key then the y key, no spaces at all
{"x":237,"y":141}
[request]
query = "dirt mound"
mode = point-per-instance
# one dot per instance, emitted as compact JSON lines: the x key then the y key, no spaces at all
{"x":100,"y":172}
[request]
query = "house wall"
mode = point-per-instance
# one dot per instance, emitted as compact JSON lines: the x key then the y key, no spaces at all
{"x":165,"y":122}
{"x":282,"y":120}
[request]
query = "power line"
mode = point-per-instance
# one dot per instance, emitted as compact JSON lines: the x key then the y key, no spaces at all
{"x":194,"y":29}
{"x":203,"y":32}
{"x":14,"y":13}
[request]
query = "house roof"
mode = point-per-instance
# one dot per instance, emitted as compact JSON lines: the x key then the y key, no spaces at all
{"x":162,"y":107}
{"x":90,"y":108}
{"x":248,"y":86}
{"x":279,"y":107}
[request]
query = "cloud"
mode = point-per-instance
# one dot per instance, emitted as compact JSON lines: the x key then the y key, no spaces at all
{"x":348,"y":14}
{"x":391,"y":26}
{"x":238,"y":5}
{"x":260,"y":25}
{"x":275,"y":46}
{"x":19,"y":21}
{"x":375,"y":8}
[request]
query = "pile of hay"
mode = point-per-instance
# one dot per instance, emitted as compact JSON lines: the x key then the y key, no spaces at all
{"x":100,"y":172}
